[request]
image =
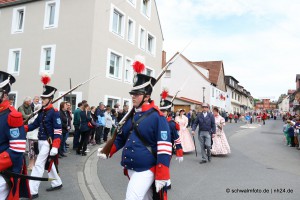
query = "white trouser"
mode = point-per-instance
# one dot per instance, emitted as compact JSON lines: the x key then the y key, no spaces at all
{"x":139,"y":186}
{"x":39,"y":168}
{"x":4,"y":189}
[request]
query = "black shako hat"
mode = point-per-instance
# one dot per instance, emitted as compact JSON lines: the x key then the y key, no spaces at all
{"x":48,"y":91}
{"x":6,"y":80}
{"x":142,"y":84}
{"x":165,"y":105}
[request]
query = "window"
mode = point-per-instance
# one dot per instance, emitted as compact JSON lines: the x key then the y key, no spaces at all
{"x":128,"y":74}
{"x":149,"y":71}
{"x":117,"y":22}
{"x":73,"y":98}
{"x":111,"y":101}
{"x":14,"y":61}
{"x":18,"y":20}
{"x":51,"y":14}
{"x":151,"y":44}
{"x":115,"y":65}
{"x":47,"y":59}
{"x":131,"y":31}
{"x":132,"y":2}
{"x":212,"y":92}
{"x":146,"y":8}
{"x":142,"y":38}
{"x":168,"y":74}
{"x":127,"y":102}
{"x":12,"y":96}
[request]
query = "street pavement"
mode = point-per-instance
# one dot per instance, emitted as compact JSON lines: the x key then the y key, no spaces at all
{"x":260,"y":166}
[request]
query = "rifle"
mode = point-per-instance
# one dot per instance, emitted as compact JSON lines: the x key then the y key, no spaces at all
{"x":57,"y":99}
{"x":106,"y":149}
{"x":23,"y":176}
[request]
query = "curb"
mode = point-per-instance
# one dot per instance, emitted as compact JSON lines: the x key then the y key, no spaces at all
{"x":88,"y":180}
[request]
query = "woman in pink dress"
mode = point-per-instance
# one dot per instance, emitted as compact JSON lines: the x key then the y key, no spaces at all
{"x":184,"y":134}
{"x":220,"y":145}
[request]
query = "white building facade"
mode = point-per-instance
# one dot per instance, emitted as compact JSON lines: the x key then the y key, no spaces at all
{"x":73,"y":40}
{"x":184,"y":76}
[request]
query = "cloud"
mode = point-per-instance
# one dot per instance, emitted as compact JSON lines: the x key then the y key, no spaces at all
{"x":257,"y":40}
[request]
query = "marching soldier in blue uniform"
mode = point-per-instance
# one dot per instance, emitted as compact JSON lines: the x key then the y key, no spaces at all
{"x":146,"y":142}
{"x":49,"y":137}
{"x":12,"y":145}
{"x":165,"y":108}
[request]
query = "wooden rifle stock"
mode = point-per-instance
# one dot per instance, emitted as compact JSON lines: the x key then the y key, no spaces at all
{"x":107,"y":148}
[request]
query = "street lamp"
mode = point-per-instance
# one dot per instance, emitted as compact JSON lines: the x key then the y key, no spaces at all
{"x":203,"y":94}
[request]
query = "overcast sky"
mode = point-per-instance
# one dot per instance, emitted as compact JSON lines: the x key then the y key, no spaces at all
{"x":258,"y":40}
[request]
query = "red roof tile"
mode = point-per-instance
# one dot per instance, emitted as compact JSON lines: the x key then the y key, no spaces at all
{"x":7,"y":1}
{"x":214,"y":68}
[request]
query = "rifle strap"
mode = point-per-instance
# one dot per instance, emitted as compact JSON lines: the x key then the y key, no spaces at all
{"x":45,"y":128}
{"x":138,"y":134}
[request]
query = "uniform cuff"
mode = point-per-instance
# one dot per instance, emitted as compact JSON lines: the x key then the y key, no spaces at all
{"x":5,"y":161}
{"x":162,"y":172}
{"x":179,"y":153}
{"x":56,"y":143}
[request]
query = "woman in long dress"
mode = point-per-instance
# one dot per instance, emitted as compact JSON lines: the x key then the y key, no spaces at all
{"x":220,"y":144}
{"x":184,"y":134}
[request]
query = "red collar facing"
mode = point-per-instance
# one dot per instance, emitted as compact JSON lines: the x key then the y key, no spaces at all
{"x":148,"y":106}
{"x":4,"y":105}
{"x":48,"y":107}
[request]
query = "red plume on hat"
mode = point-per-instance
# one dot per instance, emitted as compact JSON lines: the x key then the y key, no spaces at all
{"x":45,"y":79}
{"x":138,"y":67}
{"x":164,"y":94}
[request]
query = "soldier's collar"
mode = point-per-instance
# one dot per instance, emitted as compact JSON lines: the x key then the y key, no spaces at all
{"x":48,"y":107}
{"x":169,"y":119}
{"x":144,"y":107}
{"x":4,"y":105}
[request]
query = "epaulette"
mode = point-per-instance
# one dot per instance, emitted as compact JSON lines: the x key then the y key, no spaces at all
{"x":158,"y":110}
{"x":15,"y":118}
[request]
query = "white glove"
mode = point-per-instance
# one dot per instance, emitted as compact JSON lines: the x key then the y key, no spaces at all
{"x":101,"y":155}
{"x":180,"y":159}
{"x":53,"y":151}
{"x":159,"y":184}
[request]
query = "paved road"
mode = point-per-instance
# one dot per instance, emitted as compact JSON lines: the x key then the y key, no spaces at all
{"x":259,"y":162}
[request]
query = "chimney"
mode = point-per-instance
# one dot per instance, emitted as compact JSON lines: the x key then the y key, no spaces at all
{"x":297,"y":81}
{"x":164,"y":59}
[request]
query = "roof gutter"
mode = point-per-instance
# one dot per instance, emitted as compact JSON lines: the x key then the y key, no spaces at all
{"x":8,"y":4}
